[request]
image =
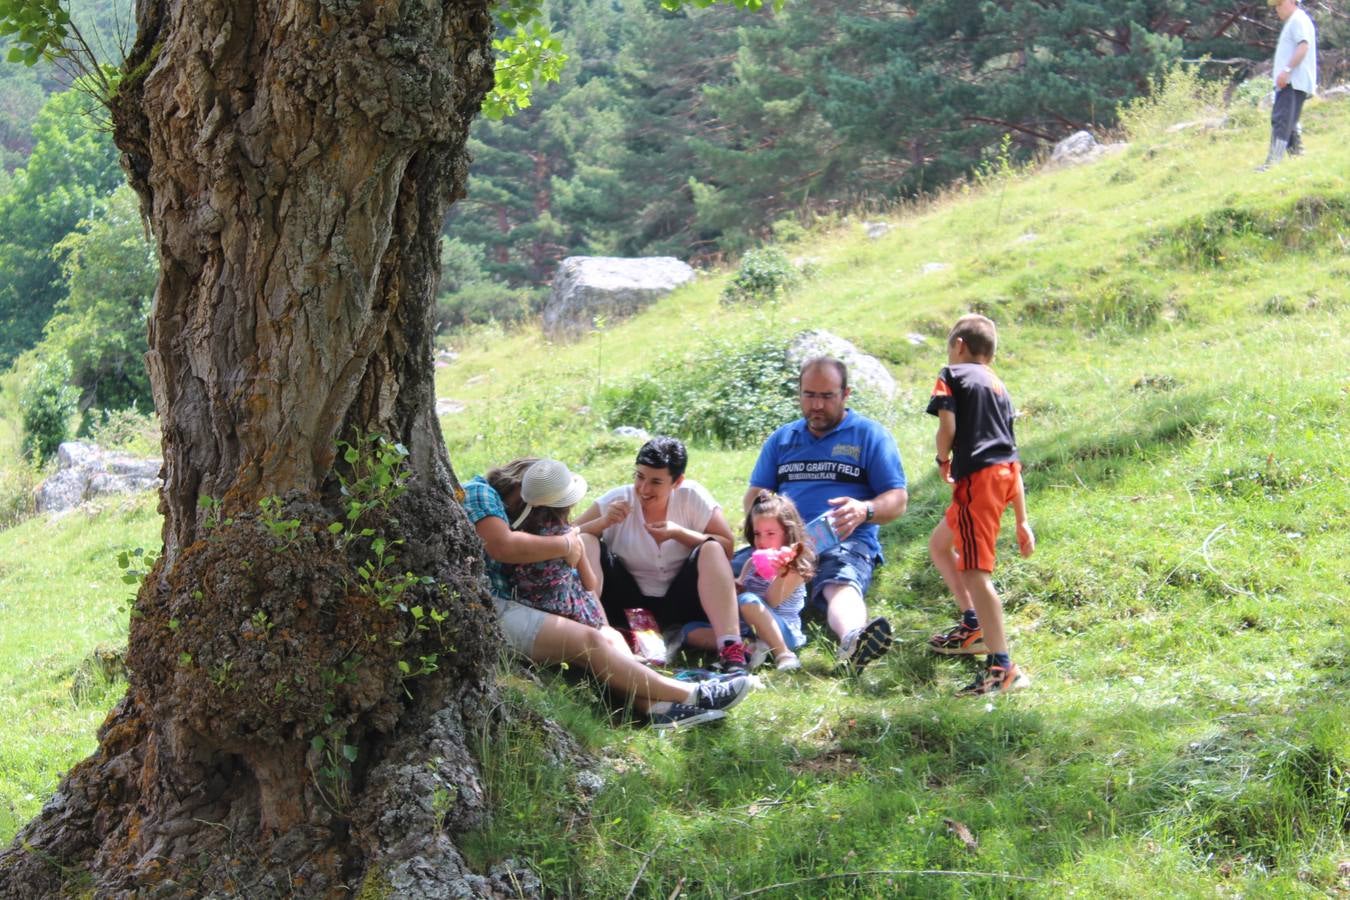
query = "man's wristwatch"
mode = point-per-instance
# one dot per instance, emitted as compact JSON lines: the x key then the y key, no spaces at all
{"x":871,"y":511}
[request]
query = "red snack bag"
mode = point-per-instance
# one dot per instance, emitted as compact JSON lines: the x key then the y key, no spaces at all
{"x":644,"y":636}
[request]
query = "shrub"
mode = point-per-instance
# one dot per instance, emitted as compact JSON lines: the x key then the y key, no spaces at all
{"x":47,"y":404}
{"x":764,"y":274}
{"x":1174,"y":96}
{"x":128,"y":430}
{"x":726,"y":395}
{"x":18,"y":480}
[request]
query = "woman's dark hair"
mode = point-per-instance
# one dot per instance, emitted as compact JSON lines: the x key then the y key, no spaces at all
{"x":663,"y":452}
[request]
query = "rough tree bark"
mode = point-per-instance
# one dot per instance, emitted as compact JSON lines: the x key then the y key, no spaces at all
{"x":295,"y":159}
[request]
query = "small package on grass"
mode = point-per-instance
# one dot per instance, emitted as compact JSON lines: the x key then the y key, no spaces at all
{"x":644,"y":636}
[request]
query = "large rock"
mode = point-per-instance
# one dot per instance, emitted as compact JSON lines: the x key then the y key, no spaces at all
{"x":84,"y":472}
{"x":1078,"y":147}
{"x":865,"y":373}
{"x":585,"y":287}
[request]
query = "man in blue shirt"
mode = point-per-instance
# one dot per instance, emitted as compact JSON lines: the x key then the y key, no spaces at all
{"x":835,"y":460}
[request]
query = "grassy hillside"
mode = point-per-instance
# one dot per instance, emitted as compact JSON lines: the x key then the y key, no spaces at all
{"x":1173,"y":328}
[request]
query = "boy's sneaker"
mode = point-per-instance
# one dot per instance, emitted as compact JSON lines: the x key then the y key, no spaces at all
{"x":681,"y":715}
{"x":787,"y":662}
{"x":732,"y":659}
{"x":860,"y":647}
{"x":759,"y":652}
{"x":722,"y":693}
{"x":996,"y":680}
{"x":960,"y":640}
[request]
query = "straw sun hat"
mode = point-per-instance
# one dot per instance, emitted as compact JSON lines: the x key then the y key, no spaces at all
{"x":548,"y":483}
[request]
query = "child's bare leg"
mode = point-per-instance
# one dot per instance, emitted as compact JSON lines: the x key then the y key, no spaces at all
{"x":766,"y":627}
{"x":942,"y":549}
{"x":988,"y":607}
{"x":701,"y":639}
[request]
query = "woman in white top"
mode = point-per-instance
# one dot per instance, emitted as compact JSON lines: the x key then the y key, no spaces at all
{"x":649,"y":542}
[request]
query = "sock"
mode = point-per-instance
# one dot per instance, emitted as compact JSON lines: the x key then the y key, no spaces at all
{"x":692,"y":699}
{"x":659,"y":707}
{"x":724,"y":639}
{"x":1000,"y":659}
{"x":969,"y":619}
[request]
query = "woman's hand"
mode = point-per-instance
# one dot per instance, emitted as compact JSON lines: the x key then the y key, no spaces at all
{"x":574,"y":548}
{"x":666,"y":531}
{"x":615,"y":513}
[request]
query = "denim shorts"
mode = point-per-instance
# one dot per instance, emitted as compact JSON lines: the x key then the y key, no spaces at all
{"x":849,"y":563}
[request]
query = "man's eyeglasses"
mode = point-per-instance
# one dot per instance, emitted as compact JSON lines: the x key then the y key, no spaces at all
{"x":826,"y":396}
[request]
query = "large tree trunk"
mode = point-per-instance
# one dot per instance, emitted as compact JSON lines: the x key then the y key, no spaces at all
{"x":295,"y":159}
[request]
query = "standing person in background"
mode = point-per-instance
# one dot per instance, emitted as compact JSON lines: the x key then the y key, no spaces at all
{"x":977,"y":453}
{"x":835,"y":460}
{"x":1295,"y":75}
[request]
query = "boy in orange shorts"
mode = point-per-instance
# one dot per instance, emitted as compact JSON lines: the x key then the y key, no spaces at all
{"x":977,"y":453}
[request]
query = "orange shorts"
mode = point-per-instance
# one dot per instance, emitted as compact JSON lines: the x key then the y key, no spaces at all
{"x":978,"y":502}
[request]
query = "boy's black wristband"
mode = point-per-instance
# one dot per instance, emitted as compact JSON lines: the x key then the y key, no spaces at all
{"x":940,"y":461}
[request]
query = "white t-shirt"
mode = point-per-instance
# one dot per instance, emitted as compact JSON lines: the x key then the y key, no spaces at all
{"x":655,"y":566}
{"x":1297,"y":29}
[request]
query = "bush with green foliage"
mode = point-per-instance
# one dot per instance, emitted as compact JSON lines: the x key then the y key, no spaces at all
{"x":723,"y":394}
{"x":47,"y":404}
{"x":764,"y":275}
{"x":128,"y":430}
{"x":1174,"y":96}
{"x":729,"y":394}
{"x":471,"y":295}
{"x":110,"y":269}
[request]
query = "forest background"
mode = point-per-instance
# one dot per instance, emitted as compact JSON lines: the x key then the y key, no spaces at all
{"x":659,"y":139}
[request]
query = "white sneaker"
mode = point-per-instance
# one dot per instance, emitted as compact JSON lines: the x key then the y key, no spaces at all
{"x":847,"y":644}
{"x":759,"y":652}
{"x":787,"y":662}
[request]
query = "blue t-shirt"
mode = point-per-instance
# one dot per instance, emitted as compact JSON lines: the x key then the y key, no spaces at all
{"x":857,"y":459}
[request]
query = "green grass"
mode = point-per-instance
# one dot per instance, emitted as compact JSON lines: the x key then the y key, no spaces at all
{"x":61,"y":598}
{"x":1173,"y":328}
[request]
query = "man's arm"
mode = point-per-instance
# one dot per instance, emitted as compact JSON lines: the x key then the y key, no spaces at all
{"x":748,"y":500}
{"x":849,"y":514}
{"x":1282,"y":77}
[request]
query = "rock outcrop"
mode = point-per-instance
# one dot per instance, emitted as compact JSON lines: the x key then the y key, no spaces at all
{"x":865,"y":373}
{"x":84,"y":471}
{"x":587,"y":287}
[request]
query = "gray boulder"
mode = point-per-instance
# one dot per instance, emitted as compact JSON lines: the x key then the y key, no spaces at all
{"x":1080,"y":147}
{"x":84,"y":472}
{"x":585,"y":287}
{"x":865,"y":373}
